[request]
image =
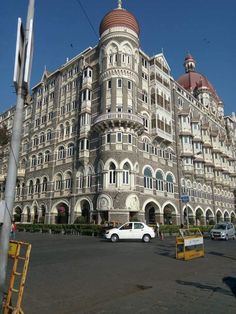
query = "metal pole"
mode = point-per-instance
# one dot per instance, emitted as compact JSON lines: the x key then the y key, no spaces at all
{"x":13,"y":164}
{"x":187,"y":216}
{"x":178,"y":158}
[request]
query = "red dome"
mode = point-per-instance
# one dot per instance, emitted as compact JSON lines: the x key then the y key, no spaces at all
{"x":119,"y":17}
{"x":193,"y":80}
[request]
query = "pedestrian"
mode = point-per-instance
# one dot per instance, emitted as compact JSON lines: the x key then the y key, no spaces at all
{"x":13,"y":230}
{"x":157,"y":228}
{"x":161,"y":233}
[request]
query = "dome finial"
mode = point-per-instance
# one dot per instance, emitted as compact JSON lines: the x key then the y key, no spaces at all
{"x":189,"y":63}
{"x":119,"y":4}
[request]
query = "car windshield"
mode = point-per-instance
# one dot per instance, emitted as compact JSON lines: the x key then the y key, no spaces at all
{"x":220,"y":226}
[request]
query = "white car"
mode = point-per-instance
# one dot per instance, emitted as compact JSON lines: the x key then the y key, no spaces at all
{"x":131,"y":231}
{"x":223,"y":230}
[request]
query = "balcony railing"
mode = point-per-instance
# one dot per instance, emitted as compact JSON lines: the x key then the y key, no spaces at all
{"x":162,"y":134}
{"x":118,"y":116}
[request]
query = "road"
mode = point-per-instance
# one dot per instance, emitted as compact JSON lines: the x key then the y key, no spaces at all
{"x":88,"y":275}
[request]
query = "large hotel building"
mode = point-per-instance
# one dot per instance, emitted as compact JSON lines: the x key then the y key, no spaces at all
{"x":111,"y":136}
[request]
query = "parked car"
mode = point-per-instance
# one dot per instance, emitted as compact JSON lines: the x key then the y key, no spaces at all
{"x":131,"y":231}
{"x":223,"y":230}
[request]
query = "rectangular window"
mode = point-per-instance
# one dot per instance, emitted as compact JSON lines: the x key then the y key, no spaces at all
{"x":129,"y":84}
{"x":108,"y":138}
{"x":130,"y":138}
{"x":109,"y":84}
{"x":119,"y":83}
{"x":119,"y":137}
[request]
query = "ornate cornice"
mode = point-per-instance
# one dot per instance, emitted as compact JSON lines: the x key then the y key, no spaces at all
{"x":121,"y":73}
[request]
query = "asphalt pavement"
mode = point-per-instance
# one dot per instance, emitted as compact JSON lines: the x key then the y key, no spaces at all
{"x":88,"y":275}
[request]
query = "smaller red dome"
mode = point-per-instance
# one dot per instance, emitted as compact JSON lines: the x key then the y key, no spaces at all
{"x":119,"y":17}
{"x":194,"y":80}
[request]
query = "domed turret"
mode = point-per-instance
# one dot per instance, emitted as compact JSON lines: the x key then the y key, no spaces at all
{"x":192,"y":80}
{"x":119,"y":17}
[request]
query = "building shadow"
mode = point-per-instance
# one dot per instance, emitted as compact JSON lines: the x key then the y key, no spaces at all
{"x":222,"y":255}
{"x":231,"y":283}
{"x":207,"y":287}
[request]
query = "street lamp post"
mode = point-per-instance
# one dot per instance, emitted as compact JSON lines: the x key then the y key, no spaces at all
{"x":22,"y":69}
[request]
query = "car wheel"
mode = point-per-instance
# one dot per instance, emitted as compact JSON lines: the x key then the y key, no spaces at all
{"x":212,"y":238}
{"x":146,"y":238}
{"x":114,"y":238}
{"x":226,"y":237}
{"x":234,"y":237}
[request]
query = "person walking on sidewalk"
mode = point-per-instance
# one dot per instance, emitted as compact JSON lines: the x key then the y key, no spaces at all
{"x":161,"y":233}
{"x":157,"y":229}
{"x":13,"y":230}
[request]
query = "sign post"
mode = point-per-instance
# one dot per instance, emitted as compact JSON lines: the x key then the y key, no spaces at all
{"x":23,"y":61}
{"x":185,"y":200}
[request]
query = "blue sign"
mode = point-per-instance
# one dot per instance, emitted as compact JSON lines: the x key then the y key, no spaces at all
{"x":184,"y":198}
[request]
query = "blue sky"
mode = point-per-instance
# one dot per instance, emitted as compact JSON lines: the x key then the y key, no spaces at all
{"x":205,"y":28}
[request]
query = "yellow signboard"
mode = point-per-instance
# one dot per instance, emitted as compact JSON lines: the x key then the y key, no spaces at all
{"x":12,"y":249}
{"x":189,"y":244}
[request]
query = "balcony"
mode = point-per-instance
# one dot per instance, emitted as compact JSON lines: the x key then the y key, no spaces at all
{"x":162,"y":135}
{"x":209,"y":176}
{"x":110,"y":120}
{"x":199,"y":173}
{"x":21,"y":173}
{"x":87,"y":82}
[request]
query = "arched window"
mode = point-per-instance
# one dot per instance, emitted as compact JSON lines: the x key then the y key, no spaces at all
{"x":144,"y":96}
{"x":45,"y":184}
{"x":112,"y":173}
{"x":68,"y":180}
{"x":41,"y":138}
{"x":169,"y":183}
{"x":126,"y":173}
{"x":37,"y":186}
{"x":80,"y":180}
{"x":99,"y":178}
{"x":49,"y":135}
{"x":89,"y":179}
{"x":70,"y":150}
{"x":31,"y":188}
{"x":47,"y":156}
{"x":58,"y":182}
{"x":147,"y":178}
{"x":159,"y":181}
{"x":40,"y":159}
{"x":61,"y":131}
{"x":35,"y":141}
{"x":67,"y":129}
{"x":33,"y":161}
{"x":61,"y":153}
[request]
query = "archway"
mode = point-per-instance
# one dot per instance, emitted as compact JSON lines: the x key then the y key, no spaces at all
{"x":199,"y":217}
{"x":226,"y":216}
{"x":188,"y":216}
{"x":43,"y":213}
{"x":85,"y":211}
{"x":232,"y":217}
{"x":35,"y":214}
{"x":218,"y":216}
{"x":150,"y":213}
{"x":209,"y":217}
{"x":17,"y":215}
{"x":103,"y":216}
{"x":28,"y":215}
{"x":62,"y":214}
{"x":169,"y":215}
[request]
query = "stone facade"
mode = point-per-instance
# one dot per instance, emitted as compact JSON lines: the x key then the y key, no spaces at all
{"x":111,"y":136}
